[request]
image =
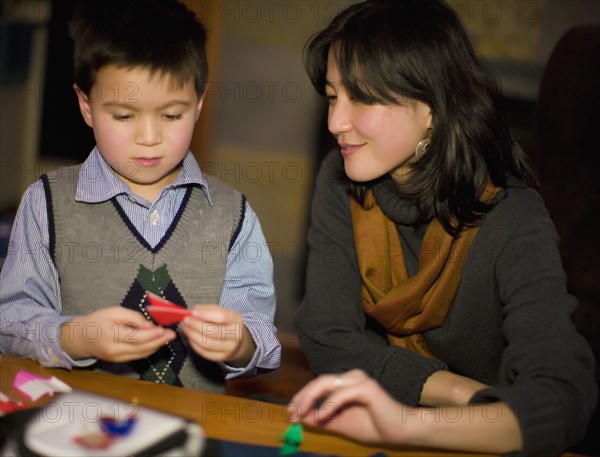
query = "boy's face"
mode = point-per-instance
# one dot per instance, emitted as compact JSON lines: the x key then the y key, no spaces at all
{"x":143,"y":125}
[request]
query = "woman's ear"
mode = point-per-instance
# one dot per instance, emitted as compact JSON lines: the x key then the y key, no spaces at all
{"x":84,"y":105}
{"x":429,"y":119}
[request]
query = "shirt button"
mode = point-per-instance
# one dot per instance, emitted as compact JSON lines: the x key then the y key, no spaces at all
{"x":154,"y":217}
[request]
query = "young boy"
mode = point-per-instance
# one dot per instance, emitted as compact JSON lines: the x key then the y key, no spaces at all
{"x":139,"y":216}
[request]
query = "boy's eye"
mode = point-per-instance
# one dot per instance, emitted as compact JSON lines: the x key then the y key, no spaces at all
{"x":122,"y":117}
{"x":172,"y":117}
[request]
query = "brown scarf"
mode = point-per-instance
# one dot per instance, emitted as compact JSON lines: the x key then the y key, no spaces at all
{"x":407,"y":307}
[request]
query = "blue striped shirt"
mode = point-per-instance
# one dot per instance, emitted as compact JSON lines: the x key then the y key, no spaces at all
{"x":30,"y":301}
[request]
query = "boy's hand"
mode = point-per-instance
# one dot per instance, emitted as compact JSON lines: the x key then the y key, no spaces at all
{"x":113,"y":334}
{"x":219,"y":334}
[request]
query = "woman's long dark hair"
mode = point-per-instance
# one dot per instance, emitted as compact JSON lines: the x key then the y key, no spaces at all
{"x":420,"y":50}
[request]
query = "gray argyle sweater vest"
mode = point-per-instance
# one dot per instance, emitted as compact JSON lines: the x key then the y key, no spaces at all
{"x":103,"y":261}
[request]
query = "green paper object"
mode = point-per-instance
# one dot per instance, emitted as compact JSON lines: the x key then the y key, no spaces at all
{"x":288,"y":449}
{"x":293,"y":440}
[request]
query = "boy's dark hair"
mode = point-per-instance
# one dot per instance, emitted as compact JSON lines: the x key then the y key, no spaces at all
{"x":161,"y":35}
{"x":420,"y":50}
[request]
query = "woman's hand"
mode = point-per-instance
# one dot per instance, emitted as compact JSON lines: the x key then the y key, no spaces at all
{"x":444,"y":388}
{"x":353,"y":405}
{"x":356,"y":406}
{"x":219,"y":334}
{"x":113,"y":334}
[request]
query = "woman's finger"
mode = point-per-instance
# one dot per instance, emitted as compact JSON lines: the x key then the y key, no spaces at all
{"x":303,"y":402}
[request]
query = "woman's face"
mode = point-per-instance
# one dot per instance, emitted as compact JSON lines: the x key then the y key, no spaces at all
{"x":374,"y":139}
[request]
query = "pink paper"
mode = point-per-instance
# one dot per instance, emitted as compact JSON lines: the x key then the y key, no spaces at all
{"x":34,"y":386}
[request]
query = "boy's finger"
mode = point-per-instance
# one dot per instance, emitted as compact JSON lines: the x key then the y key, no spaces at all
{"x":211,"y":313}
{"x":132,"y":318}
{"x":154,"y":335}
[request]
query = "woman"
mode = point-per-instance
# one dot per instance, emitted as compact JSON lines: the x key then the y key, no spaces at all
{"x":433,"y":264}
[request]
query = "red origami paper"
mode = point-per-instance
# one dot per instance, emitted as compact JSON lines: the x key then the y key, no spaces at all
{"x":165,"y":312}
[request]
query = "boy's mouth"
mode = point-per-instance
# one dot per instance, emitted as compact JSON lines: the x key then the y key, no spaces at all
{"x":147,"y":162}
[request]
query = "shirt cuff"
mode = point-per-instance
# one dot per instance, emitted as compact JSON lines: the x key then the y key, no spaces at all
{"x":239,"y":372}
{"x":50,"y":353}
{"x":268,"y":349}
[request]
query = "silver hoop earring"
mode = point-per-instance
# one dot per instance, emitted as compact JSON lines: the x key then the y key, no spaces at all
{"x":422,"y":148}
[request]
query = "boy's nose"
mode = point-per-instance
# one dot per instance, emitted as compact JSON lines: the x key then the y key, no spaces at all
{"x":148,"y":133}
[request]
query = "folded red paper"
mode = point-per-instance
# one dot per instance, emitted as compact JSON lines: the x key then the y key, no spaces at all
{"x":165,"y":312}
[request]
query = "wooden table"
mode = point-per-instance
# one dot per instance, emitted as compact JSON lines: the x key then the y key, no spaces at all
{"x":221,"y":416}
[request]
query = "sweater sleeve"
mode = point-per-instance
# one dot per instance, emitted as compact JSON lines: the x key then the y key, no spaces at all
{"x":335,"y":333}
{"x":546,"y":375}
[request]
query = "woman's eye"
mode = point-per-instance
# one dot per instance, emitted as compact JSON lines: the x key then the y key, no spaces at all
{"x":331,"y":98}
{"x":122,"y":117}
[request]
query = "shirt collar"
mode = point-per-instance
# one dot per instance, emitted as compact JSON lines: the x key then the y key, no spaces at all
{"x":98,"y":182}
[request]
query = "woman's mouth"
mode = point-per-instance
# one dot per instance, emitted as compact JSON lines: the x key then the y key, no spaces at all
{"x":349,"y":149}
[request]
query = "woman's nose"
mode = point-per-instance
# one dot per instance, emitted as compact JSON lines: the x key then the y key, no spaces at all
{"x":338,"y":120}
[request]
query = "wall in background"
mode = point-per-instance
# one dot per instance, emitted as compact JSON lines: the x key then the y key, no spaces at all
{"x":266,"y":123}
{"x":262,"y":122}
{"x":517,"y":37}
{"x":24,"y":32}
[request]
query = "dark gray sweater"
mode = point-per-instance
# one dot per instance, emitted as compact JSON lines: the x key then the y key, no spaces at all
{"x":509,"y":325}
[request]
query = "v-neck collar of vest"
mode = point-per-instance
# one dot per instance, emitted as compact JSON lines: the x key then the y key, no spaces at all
{"x":167,"y":235}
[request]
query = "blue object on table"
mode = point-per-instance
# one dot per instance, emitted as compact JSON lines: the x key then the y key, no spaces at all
{"x":222,"y":448}
{"x":117,"y":428}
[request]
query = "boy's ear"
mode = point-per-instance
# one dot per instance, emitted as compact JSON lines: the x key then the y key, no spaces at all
{"x":199,"y":105}
{"x":84,"y":105}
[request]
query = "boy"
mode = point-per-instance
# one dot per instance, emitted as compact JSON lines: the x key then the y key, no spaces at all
{"x":139,"y":216}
